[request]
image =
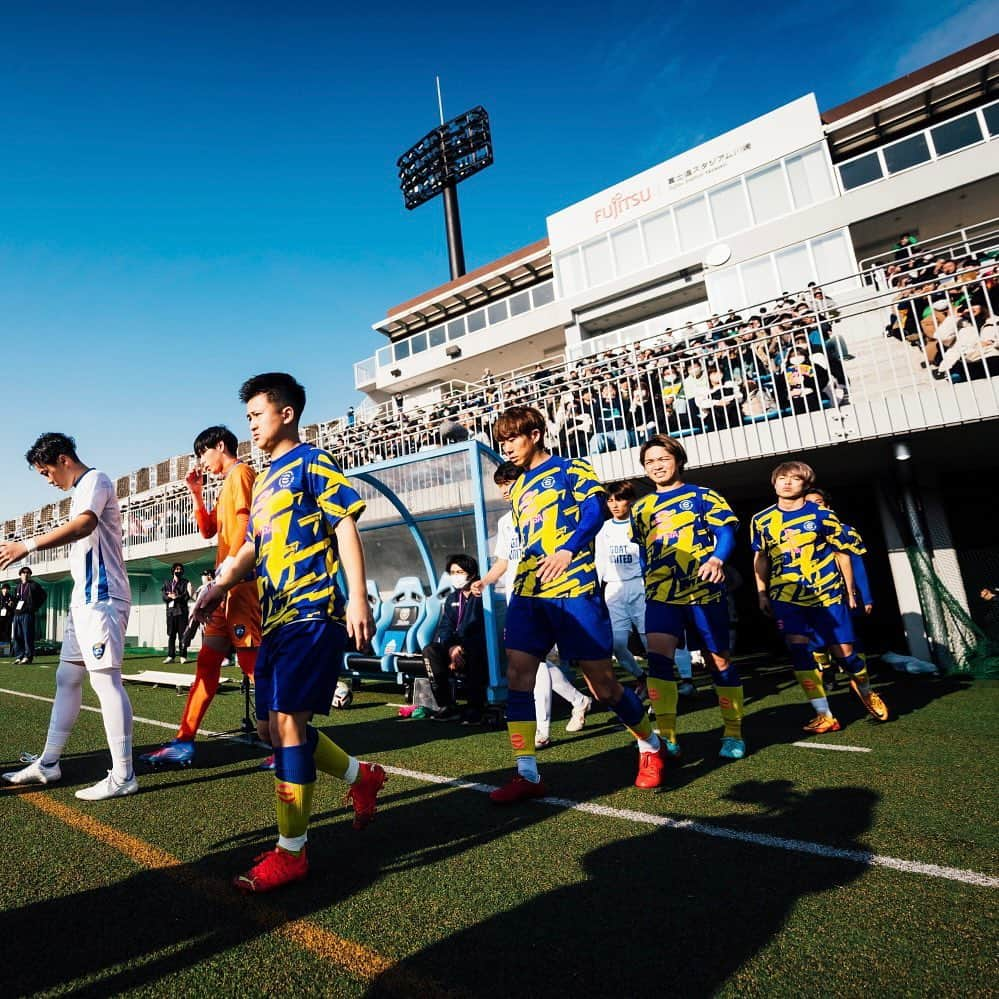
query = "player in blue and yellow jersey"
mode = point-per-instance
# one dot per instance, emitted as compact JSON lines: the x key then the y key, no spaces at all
{"x":804,"y":579}
{"x":685,"y":535}
{"x":302,"y":527}
{"x":558,"y":508}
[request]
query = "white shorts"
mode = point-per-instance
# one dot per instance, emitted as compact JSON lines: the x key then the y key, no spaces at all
{"x":95,"y":634}
{"x":625,"y":601}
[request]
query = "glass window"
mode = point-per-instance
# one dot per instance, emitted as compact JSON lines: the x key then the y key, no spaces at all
{"x":660,"y":237}
{"x":543,"y":294}
{"x":956,"y":134}
{"x":809,"y":177}
{"x":992,"y":118}
{"x":724,"y":290}
{"x":597,"y":257}
{"x":476,"y":321}
{"x":907,"y":153}
{"x":570,"y":272}
{"x":860,"y":171}
{"x":693,"y":222}
{"x":384,"y":356}
{"x":496,"y":312}
{"x":436,"y":336}
{"x":768,"y":193}
{"x":833,"y":257}
{"x":401,"y":350}
{"x":456,"y":329}
{"x":626,"y":245}
{"x":759,"y":280}
{"x":521,"y":303}
{"x":729,"y":209}
{"x":794,"y":268}
{"x":418,"y":343}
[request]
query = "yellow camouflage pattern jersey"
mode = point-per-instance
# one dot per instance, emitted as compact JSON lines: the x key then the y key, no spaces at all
{"x":546,"y":509}
{"x":676,"y":534}
{"x":801,"y":546}
{"x":296,"y":505}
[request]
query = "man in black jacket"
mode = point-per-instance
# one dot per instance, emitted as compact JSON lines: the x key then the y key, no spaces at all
{"x":176,"y":593}
{"x":6,"y":613}
{"x":459,"y":646}
{"x":28,"y":601}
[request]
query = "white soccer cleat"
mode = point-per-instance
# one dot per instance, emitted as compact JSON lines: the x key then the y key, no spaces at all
{"x":108,"y":788}
{"x":168,"y":660}
{"x":578,"y":718}
{"x":34,"y":773}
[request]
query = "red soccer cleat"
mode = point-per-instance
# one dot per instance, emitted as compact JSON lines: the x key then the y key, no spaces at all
{"x":652,"y":767}
{"x":271,"y":870}
{"x":517,"y":789}
{"x":364,"y":792}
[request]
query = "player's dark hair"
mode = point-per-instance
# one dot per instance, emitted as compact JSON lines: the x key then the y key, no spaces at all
{"x":826,"y":498}
{"x":47,"y":449}
{"x":465,"y":562}
{"x":176,"y":566}
{"x":212,"y":437}
{"x":518,"y":420}
{"x":507,"y":472}
{"x":622,"y":491}
{"x":799,"y":468}
{"x":667,"y":443}
{"x":279,"y":387}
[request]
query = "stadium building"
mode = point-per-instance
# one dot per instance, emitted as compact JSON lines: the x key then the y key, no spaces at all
{"x":816,"y":284}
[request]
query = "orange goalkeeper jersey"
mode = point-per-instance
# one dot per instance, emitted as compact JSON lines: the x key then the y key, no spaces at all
{"x":232,"y":511}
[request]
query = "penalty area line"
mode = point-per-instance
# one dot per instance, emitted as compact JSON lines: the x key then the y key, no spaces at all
{"x":837,"y":749}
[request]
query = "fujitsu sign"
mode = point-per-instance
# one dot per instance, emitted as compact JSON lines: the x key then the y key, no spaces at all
{"x":767,"y":138}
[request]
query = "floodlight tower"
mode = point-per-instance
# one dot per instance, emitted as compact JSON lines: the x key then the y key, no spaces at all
{"x":439,"y":162}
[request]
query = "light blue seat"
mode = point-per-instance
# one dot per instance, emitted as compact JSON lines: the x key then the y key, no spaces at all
{"x":395,"y":628}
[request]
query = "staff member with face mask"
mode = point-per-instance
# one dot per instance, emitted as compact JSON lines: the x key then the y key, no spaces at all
{"x":459,"y":646}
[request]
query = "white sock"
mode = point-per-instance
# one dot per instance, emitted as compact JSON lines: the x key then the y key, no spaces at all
{"x":527,"y":767}
{"x":543,"y":697}
{"x":293,"y":844}
{"x":649,"y":745}
{"x":65,"y":710}
{"x":116,"y":710}
{"x":561,"y":685}
{"x":821,"y":705}
{"x":353,"y":770}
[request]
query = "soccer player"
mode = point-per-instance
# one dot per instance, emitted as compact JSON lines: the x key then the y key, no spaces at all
{"x":619,"y":567}
{"x":302,"y":527}
{"x":686,"y":534}
{"x":804,"y":579}
{"x":550,"y":677}
{"x":236,"y":622}
{"x":558,"y":508}
{"x":93,"y":642}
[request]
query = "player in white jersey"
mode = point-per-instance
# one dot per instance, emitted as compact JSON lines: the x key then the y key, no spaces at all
{"x":620,"y":569}
{"x":94,"y":636}
{"x":550,"y":677}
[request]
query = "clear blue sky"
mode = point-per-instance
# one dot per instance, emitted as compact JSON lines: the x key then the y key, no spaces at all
{"x":190,"y":193}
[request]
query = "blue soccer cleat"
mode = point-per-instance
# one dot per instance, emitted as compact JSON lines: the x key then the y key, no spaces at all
{"x":671,"y":750}
{"x":174,"y":754}
{"x":732,"y":749}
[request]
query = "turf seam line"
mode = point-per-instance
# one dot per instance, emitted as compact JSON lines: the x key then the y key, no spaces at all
{"x":838,"y":749}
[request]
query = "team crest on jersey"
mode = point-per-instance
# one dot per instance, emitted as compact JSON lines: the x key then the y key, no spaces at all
{"x":285,"y":480}
{"x":687,"y":505}
{"x":548,"y":482}
{"x":98,"y":650}
{"x":240,"y":630}
{"x":810,"y":525}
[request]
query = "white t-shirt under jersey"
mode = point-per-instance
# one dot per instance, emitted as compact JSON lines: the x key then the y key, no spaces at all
{"x":508,"y":547}
{"x":617,"y":552}
{"x":97,"y":561}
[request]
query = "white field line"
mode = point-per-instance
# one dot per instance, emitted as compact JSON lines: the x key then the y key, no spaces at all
{"x":864,"y":857}
{"x":825,"y":745}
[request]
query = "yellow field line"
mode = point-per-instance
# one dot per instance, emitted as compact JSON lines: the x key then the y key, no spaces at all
{"x":355,"y":959}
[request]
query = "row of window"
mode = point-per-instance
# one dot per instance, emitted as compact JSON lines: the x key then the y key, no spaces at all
{"x":777,"y":189}
{"x":930,"y":144}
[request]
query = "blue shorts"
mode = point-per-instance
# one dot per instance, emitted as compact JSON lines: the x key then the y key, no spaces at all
{"x":828,"y":625}
{"x":580,"y":626}
{"x":710,"y":621}
{"x":297,"y":667}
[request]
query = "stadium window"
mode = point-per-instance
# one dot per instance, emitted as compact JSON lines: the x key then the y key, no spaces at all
{"x":384,"y":356}
{"x":860,"y":171}
{"x":793,"y":267}
{"x":497,"y":312}
{"x":626,"y":245}
{"x":693,"y":222}
{"x":833,"y":257}
{"x":991,"y":116}
{"x":400,"y":350}
{"x":476,"y":321}
{"x":597,"y":260}
{"x":809,"y":176}
{"x":724,"y":290}
{"x":907,"y":153}
{"x":660,"y":237}
{"x":768,"y":193}
{"x":436,"y":336}
{"x":570,"y":272}
{"x":543,"y":294}
{"x":456,"y":328}
{"x":520,"y":303}
{"x":418,"y":343}
{"x":957,"y":134}
{"x":729,"y":209}
{"x":759,"y":280}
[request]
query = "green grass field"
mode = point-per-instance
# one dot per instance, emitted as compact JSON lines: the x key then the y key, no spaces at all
{"x":794,"y":872}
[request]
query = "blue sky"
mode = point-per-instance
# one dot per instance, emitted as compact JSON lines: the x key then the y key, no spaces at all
{"x":191,"y":193}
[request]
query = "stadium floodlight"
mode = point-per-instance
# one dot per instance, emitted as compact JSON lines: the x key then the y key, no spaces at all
{"x":441,"y":160}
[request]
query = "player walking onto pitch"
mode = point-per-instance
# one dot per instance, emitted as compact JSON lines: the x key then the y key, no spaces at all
{"x":93,"y":641}
{"x":804,"y":578}
{"x":302,"y":525}
{"x":686,"y":534}
{"x":558,"y":508}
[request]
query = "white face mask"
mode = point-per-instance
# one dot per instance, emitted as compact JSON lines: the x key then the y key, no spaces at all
{"x":459,"y":580}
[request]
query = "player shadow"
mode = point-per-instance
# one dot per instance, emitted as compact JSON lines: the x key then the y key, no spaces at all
{"x":681,"y":892}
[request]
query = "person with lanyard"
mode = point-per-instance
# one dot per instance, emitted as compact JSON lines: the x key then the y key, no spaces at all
{"x":28,"y":601}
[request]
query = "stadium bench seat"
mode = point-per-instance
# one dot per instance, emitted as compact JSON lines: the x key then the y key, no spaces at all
{"x":399,"y":616}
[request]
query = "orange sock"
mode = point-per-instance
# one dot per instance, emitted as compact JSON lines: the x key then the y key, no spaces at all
{"x":247,"y":659}
{"x":206,"y":682}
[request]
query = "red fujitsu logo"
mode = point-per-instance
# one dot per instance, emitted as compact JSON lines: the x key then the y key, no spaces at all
{"x":621,"y":204}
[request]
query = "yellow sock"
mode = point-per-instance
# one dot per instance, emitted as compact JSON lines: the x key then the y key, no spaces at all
{"x":822,"y":660}
{"x":642,"y":729}
{"x":329,"y":757}
{"x":522,"y":737}
{"x":730,"y":705}
{"x":664,"y":696}
{"x":810,"y":681}
{"x":294,"y":806}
